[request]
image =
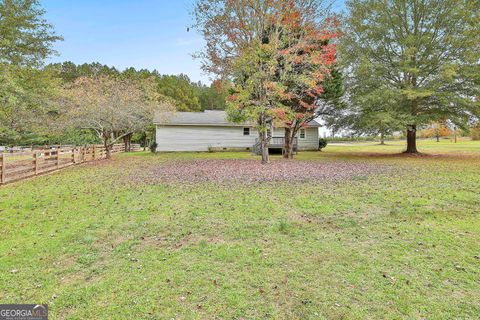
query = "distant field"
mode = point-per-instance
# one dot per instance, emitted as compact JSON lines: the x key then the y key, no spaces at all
{"x":463,"y":145}
{"x":366,"y":233}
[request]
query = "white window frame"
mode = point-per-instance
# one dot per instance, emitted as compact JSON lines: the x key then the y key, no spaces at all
{"x":249,"y":131}
{"x":304,"y":134}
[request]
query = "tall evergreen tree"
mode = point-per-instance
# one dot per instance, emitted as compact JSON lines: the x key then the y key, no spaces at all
{"x":26,"y":37}
{"x":26,"y":92}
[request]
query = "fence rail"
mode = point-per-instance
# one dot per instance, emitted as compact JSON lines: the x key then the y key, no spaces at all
{"x":21,"y":165}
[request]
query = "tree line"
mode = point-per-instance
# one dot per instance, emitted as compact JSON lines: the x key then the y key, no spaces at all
{"x":65,"y":103}
{"x":188,"y":95}
{"x":32,"y":114}
{"x":381,"y":67}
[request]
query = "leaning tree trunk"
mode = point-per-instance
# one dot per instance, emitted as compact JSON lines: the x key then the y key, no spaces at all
{"x":145,"y":142}
{"x":105,"y":136}
{"x":288,"y":145}
{"x":411,"y":139}
{"x":108,"y":146}
{"x":127,"y":141}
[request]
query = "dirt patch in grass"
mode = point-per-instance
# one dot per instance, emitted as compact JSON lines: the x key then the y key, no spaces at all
{"x":252,"y":171}
{"x":187,"y":239}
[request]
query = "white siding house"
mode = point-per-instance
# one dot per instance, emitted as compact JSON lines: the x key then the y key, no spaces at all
{"x":210,"y":130}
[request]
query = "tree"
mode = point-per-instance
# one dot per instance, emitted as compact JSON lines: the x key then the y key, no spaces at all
{"x":305,"y":62}
{"x":27,"y":99}
{"x":332,"y":107}
{"x":213,"y":97}
{"x":424,"y":53}
{"x":113,"y":108}
{"x":373,"y":113}
{"x":243,"y":43}
{"x":27,"y":38}
{"x":181,"y":89}
{"x":69,"y":71}
{"x":436,"y":130}
{"x":187,"y":95}
{"x":26,"y":91}
{"x":238,"y":37}
{"x":380,"y":123}
{"x":475,"y":132}
{"x":254,"y":97}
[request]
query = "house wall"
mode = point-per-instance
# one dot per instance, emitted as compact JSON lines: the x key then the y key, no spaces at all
{"x":201,"y":138}
{"x":310,"y":142}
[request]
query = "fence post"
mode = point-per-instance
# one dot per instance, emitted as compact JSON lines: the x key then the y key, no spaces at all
{"x":94,"y":152}
{"x":35,"y":159}
{"x":2,"y":173}
{"x":58,"y":159}
{"x":73,"y":155}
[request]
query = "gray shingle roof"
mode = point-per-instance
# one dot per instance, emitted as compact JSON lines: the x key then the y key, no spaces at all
{"x":208,"y":117}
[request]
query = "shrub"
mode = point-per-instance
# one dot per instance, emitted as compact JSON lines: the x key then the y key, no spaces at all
{"x":322,"y":143}
{"x":475,"y":132}
{"x":153,"y":146}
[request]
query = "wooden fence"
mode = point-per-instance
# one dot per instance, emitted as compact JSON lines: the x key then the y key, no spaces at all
{"x":21,"y":165}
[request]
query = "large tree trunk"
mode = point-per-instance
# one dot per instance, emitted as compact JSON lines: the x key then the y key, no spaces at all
{"x":264,"y":138}
{"x":289,"y":143}
{"x":264,"y":147}
{"x":127,"y":141}
{"x":108,"y":146}
{"x":382,"y":138}
{"x":411,"y":139}
{"x":145,"y":142}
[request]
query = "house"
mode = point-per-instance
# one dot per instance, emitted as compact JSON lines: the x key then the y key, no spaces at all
{"x":210,"y":130}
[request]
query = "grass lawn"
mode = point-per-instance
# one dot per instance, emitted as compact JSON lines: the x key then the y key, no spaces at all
{"x":97,"y":241}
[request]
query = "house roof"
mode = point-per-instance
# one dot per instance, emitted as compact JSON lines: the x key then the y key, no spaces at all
{"x":208,"y":117}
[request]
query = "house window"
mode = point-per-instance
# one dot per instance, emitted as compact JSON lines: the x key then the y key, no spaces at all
{"x":303,"y":133}
{"x":246,"y":131}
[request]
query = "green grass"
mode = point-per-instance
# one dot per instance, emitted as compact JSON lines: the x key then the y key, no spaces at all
{"x":95,"y":245}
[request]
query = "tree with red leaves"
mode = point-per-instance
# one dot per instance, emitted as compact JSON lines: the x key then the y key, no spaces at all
{"x":275,"y":52}
{"x":304,"y":64}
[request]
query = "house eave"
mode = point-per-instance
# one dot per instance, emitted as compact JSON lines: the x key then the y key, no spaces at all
{"x":202,"y":124}
{"x":217,"y":125}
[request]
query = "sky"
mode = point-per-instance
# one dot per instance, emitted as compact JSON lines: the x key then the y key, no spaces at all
{"x":149,"y":34}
